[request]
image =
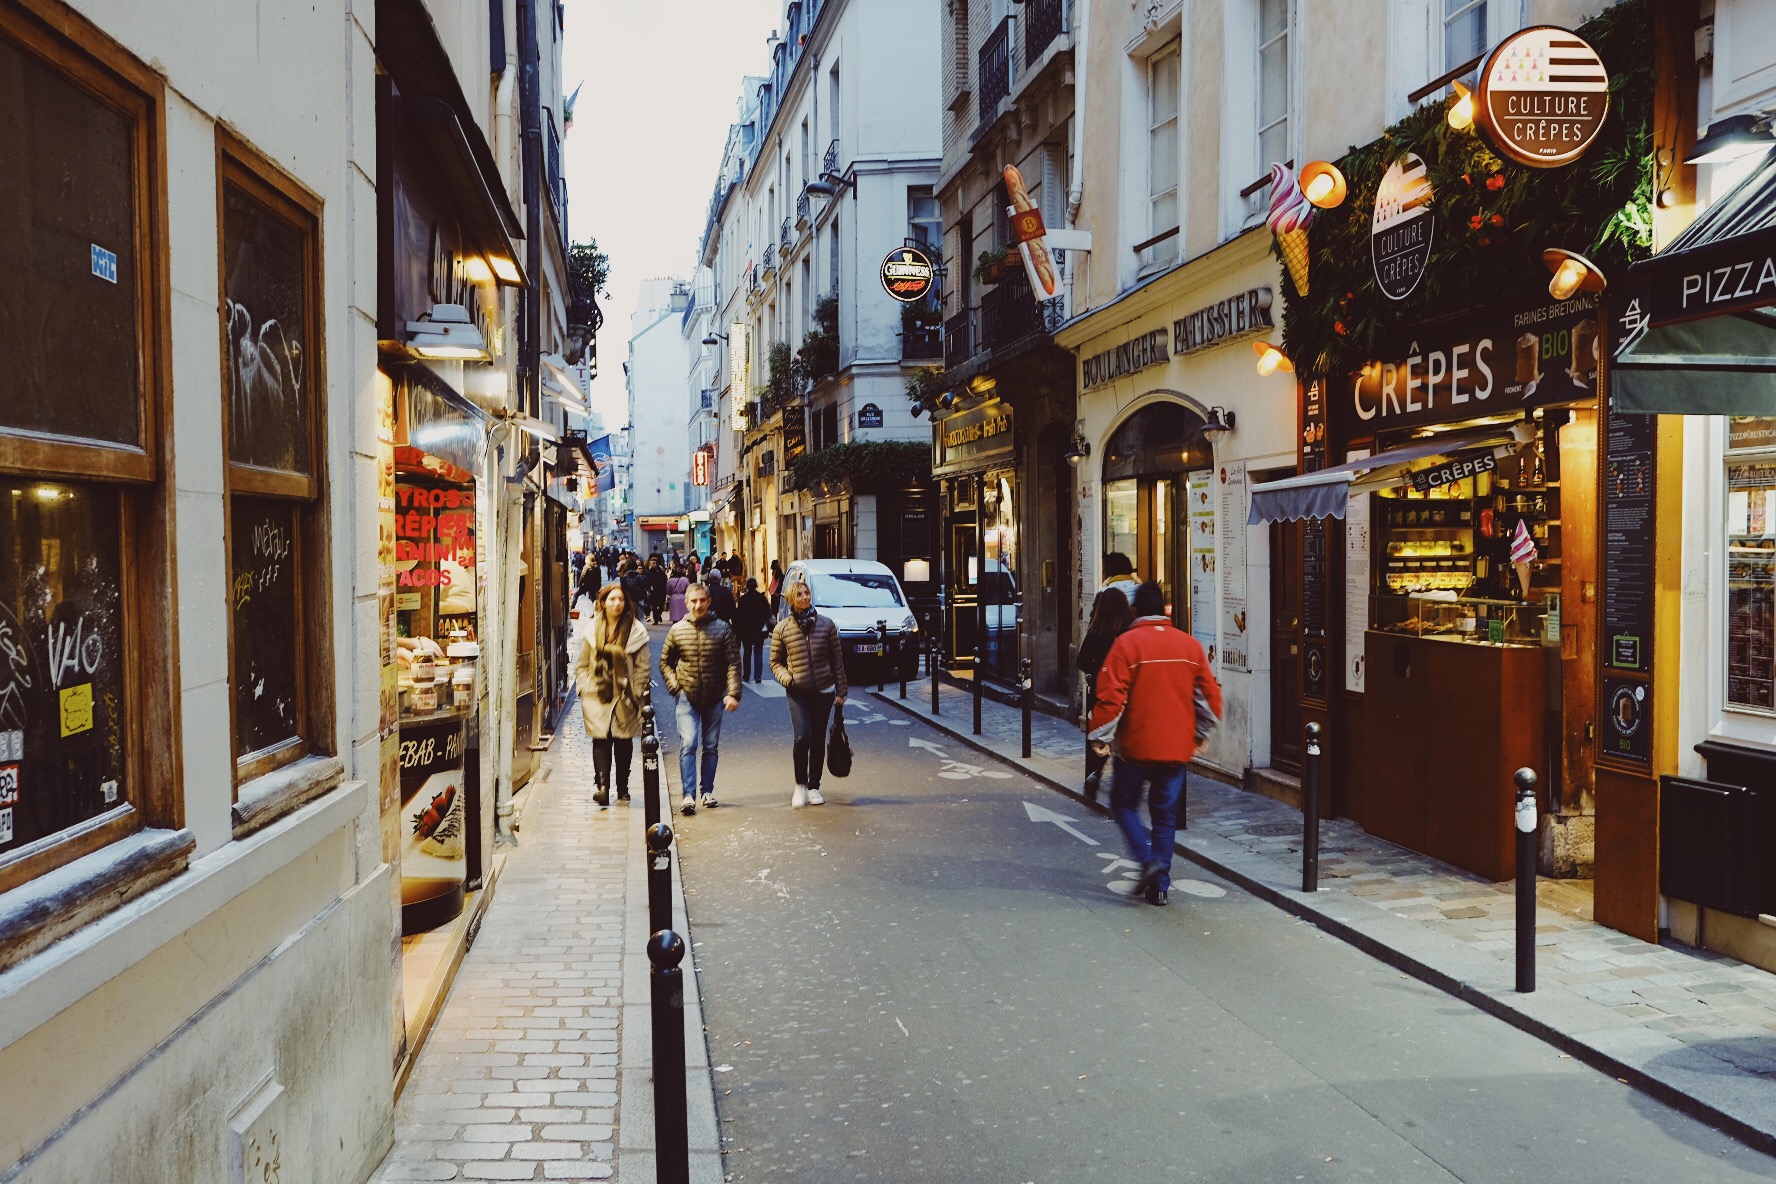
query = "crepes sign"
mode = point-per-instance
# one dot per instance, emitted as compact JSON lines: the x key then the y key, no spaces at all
{"x":1401,"y":230}
{"x":1455,"y":469}
{"x":1543,"y":96}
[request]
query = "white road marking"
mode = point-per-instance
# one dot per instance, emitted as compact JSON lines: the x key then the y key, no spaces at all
{"x":1200,"y":888}
{"x":1043,"y":814}
{"x":920,"y":742}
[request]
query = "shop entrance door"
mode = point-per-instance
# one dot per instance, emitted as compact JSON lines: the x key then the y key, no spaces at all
{"x":964,"y":600}
{"x":1285,"y":646}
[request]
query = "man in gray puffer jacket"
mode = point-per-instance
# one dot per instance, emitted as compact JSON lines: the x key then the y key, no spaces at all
{"x":809,"y":660}
{"x":700,"y":662}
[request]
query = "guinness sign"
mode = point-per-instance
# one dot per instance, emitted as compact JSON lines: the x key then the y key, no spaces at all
{"x":908,"y":274}
{"x":1403,"y":225}
{"x":1543,"y":96}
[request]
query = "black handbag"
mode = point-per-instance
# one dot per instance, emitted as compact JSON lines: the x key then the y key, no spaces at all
{"x":838,"y":746}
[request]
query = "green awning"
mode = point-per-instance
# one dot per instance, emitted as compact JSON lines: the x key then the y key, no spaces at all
{"x":1719,"y":365}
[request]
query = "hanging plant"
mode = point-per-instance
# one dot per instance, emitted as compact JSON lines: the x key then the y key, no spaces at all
{"x":1494,"y":216}
{"x":870,"y":466}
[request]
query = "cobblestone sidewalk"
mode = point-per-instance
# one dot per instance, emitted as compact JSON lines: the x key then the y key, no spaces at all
{"x":1694,"y":1027}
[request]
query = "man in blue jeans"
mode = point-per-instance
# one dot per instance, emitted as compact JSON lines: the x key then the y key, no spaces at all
{"x":700,"y":663}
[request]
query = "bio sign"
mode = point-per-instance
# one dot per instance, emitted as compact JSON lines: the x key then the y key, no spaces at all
{"x":908,"y":274}
{"x":1543,"y":96}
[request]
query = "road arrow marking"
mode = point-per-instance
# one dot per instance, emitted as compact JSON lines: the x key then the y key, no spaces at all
{"x":1041,"y":814}
{"x":916,"y":742}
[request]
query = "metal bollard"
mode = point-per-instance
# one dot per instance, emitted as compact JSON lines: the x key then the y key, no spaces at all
{"x":659,"y":877}
{"x":672,"y":1152}
{"x":1025,"y":695}
{"x":1526,"y":879}
{"x":650,"y":767}
{"x":978,"y":679}
{"x":900,"y":657}
{"x":881,"y":655}
{"x":1310,"y":811}
{"x":931,"y":669}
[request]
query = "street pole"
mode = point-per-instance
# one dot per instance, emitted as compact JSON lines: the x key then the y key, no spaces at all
{"x":1310,"y":811}
{"x":1024,"y":697}
{"x":659,"y":877}
{"x":650,"y":767}
{"x":977,"y":685}
{"x":672,"y":1153}
{"x":881,"y":655}
{"x":1526,"y":879}
{"x":931,"y":667}
{"x":900,"y":657}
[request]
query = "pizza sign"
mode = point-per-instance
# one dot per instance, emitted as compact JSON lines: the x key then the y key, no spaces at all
{"x":1543,"y":96}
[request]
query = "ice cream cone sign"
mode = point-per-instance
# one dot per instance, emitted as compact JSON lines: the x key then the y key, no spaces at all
{"x":1523,"y":553}
{"x":1290,"y":216}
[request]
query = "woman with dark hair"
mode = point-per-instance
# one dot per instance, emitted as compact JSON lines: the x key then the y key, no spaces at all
{"x":613,"y":674}
{"x":1110,"y":616}
{"x":676,"y":586}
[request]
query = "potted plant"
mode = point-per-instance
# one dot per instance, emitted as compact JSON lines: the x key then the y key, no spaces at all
{"x":992,"y":266}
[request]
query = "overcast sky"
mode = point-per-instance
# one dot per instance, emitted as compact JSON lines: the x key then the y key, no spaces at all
{"x":662,"y":80}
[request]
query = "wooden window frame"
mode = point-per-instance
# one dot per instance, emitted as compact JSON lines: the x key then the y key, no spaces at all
{"x":241,"y":166}
{"x":140,"y":476}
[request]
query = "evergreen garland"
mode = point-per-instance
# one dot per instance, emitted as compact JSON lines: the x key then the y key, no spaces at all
{"x":871,"y":466}
{"x":1494,"y":216}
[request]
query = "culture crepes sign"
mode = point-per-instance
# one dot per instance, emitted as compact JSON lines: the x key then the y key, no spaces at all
{"x":1543,"y":96}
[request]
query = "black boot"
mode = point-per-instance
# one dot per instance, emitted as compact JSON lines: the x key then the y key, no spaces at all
{"x":601,"y":794}
{"x":622,"y":793}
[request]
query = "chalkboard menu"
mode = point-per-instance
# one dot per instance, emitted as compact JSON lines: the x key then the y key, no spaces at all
{"x":1625,"y":618}
{"x":62,"y":679}
{"x":1315,"y":576}
{"x":263,"y":601}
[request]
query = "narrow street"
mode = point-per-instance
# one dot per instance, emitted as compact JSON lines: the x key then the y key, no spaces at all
{"x":935,"y":976}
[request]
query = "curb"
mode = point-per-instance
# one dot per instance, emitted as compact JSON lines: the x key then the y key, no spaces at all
{"x":1503,"y":1005}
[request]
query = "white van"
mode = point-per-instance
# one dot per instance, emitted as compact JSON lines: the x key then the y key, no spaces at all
{"x":855,"y":594}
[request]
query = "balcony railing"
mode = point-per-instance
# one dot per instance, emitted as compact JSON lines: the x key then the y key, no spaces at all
{"x":804,"y":205}
{"x":768,"y":261}
{"x":785,"y":239}
{"x":1010,"y":314}
{"x":1044,"y":20}
{"x":959,"y":338}
{"x":995,"y":70}
{"x":752,"y":279}
{"x":921,"y":342}
{"x":830,"y":163}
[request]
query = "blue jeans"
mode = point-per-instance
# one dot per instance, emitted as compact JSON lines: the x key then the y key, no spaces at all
{"x":1165,"y":786}
{"x":698,"y":728}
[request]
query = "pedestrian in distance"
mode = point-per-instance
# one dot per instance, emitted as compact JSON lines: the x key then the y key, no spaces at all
{"x":1119,"y":572}
{"x":1155,"y":678}
{"x":1110,"y":616}
{"x":677,"y":584}
{"x":700,"y":664}
{"x":752,"y":621}
{"x":809,"y":660}
{"x":588,"y":585}
{"x":612,"y":675}
{"x":634,"y":585}
{"x":721,"y":599}
{"x":658,"y":594}
{"x":775,"y":588}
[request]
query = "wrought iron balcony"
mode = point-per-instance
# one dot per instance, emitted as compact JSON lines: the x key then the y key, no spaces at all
{"x":803,"y":205}
{"x":995,"y":70}
{"x":1010,"y":314}
{"x":958,"y":338}
{"x":752,"y":279}
{"x":830,"y":163}
{"x":768,"y":261}
{"x":1044,"y":20}
{"x":921,"y":342}
{"x":785,"y":239}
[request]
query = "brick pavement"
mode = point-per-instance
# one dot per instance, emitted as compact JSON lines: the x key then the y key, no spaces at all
{"x":538,"y":1067}
{"x":1694,"y":1027}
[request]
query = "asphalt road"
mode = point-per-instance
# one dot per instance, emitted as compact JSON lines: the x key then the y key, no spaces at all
{"x":920,"y":982}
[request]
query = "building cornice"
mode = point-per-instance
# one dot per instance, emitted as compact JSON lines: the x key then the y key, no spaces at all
{"x":1164,"y":288}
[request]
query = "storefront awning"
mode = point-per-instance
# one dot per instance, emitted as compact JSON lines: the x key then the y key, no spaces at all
{"x":1327,"y":493}
{"x":1707,"y":342}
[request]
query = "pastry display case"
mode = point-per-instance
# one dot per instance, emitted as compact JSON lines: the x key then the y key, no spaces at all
{"x":1470,"y":619}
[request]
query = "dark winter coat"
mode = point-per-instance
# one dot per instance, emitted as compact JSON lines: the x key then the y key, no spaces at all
{"x":721,"y":602}
{"x":657,"y":588}
{"x":701,"y":660}
{"x":752,"y":616}
{"x":809,"y":662}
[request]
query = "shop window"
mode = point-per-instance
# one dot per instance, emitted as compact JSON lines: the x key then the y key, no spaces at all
{"x":1162,"y":157}
{"x":87,"y":753}
{"x":1273,"y":82}
{"x":1751,"y":578}
{"x":276,"y":548}
{"x":1464,"y":32}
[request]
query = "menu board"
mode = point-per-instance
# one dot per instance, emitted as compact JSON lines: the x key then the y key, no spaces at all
{"x":1627,"y":615}
{"x":1204,"y":624}
{"x":1356,"y":582}
{"x":1315,"y":571}
{"x":263,"y":600}
{"x":1233,"y":508}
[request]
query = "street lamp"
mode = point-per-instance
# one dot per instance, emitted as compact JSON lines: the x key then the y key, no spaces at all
{"x":1572,"y":273}
{"x":1732,"y":138}
{"x":714,"y":338}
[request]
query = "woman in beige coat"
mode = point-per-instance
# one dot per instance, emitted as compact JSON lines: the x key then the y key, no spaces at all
{"x":612,"y":674}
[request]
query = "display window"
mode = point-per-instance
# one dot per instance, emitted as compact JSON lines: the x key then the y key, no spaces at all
{"x":1751,"y":582}
{"x":998,"y":572}
{"x":277,"y":539}
{"x":1149,"y":463}
{"x":88,"y":752}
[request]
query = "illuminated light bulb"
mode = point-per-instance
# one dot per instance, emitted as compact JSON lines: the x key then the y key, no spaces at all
{"x":1318,"y":188}
{"x":1270,"y":359}
{"x":477,"y":270}
{"x":1567,"y":278}
{"x":1323,"y":185}
{"x":1461,"y":115}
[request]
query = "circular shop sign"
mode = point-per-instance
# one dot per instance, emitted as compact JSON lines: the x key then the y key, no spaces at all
{"x":1400,"y":233}
{"x":1543,"y":96}
{"x":908,"y":274}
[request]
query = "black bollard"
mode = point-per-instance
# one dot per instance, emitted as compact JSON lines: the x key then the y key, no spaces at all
{"x":900,"y":658}
{"x":931,"y":668}
{"x":1025,"y":695}
{"x":978,"y":679}
{"x":1310,"y":811}
{"x":672,"y":1152}
{"x":659,"y":841}
{"x":650,"y":767}
{"x":1526,"y":879}
{"x":881,"y":655}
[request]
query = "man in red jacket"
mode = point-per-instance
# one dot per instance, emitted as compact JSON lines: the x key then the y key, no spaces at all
{"x":1149,"y":692}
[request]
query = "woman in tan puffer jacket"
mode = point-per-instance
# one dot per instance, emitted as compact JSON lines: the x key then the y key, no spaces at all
{"x":808,"y":659}
{"x":613,"y":674}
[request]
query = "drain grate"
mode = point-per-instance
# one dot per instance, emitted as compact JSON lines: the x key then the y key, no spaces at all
{"x":1274,"y":830}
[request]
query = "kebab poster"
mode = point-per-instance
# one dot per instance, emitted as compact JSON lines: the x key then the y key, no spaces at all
{"x":433,"y":810}
{"x":1031,"y":235}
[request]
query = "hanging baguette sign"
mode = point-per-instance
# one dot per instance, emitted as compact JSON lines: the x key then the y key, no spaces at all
{"x":1031,"y":236}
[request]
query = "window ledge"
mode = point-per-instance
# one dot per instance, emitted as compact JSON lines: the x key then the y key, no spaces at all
{"x":265,"y":799}
{"x":49,"y":908}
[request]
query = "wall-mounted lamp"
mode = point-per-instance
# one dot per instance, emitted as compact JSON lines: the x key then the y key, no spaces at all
{"x":1270,"y":359}
{"x":445,"y":333}
{"x":1323,"y":184}
{"x":1732,"y":138}
{"x":1219,"y":423}
{"x":828,"y":185}
{"x":1461,"y":112}
{"x":714,"y":338}
{"x":1572,"y":273}
{"x":1079,"y":449}
{"x":982,"y":385}
{"x":946,"y":400}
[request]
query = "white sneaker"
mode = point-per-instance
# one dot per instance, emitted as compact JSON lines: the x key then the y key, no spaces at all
{"x":689,"y":806}
{"x":815,"y":798}
{"x":799,"y":798}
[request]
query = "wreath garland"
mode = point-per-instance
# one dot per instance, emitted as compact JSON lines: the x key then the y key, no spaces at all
{"x":1494,"y":216}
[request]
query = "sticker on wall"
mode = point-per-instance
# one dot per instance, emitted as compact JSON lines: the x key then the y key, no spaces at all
{"x":9,"y":785}
{"x":1401,"y":231}
{"x":77,"y":709}
{"x":12,"y":745}
{"x":6,"y":825}
{"x":1543,"y":97}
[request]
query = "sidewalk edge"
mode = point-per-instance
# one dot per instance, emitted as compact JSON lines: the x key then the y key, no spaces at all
{"x":1299,"y":904}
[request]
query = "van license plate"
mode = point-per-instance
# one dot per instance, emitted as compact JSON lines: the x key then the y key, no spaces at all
{"x":870,"y":647}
